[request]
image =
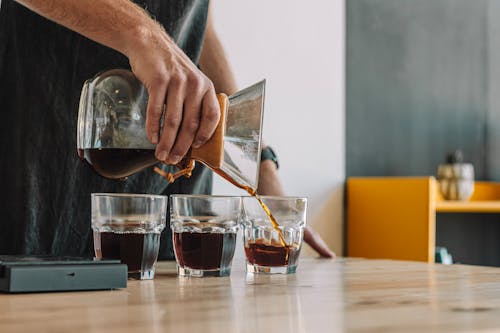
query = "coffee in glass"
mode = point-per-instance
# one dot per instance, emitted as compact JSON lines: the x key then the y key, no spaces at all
{"x":128,"y":227}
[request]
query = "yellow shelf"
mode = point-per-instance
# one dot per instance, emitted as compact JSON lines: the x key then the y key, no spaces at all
{"x":468,"y":207}
{"x":486,"y":199}
{"x":395,"y":217}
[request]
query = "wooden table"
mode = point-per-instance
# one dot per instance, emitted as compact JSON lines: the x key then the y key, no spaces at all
{"x":345,"y":295}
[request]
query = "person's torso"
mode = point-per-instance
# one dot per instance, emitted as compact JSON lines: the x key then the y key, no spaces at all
{"x":45,"y":198}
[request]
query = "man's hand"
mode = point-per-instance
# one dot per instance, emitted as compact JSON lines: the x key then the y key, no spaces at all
{"x":178,"y":91}
{"x":317,"y":243}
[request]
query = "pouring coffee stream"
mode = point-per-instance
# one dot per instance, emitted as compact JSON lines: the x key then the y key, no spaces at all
{"x":111,"y":134}
{"x":251,"y":191}
{"x":266,"y":209}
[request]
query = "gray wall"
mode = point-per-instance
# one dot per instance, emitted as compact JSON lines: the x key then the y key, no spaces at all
{"x":423,"y":79}
{"x":493,"y":81}
{"x":417,"y":77}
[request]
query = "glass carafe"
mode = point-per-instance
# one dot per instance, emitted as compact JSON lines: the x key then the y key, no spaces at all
{"x":111,"y":133}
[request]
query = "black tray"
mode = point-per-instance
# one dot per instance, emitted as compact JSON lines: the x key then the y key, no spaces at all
{"x":19,"y":274}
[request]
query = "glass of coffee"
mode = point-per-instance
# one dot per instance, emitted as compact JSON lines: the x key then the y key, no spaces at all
{"x":273,"y":248}
{"x":204,"y":232}
{"x":128,"y":227}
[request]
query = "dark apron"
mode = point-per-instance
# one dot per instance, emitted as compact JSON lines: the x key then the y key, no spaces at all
{"x":44,"y":187}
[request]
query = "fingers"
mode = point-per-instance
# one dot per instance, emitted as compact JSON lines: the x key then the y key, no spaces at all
{"x":190,"y":119}
{"x":189,"y":127}
{"x":317,"y":243}
{"x":179,"y":92}
{"x":172,"y":119}
{"x":209,"y":118}
{"x":155,"y":109}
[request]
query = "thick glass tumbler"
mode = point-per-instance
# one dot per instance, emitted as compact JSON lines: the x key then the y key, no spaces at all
{"x":269,"y":249}
{"x":204,"y":232}
{"x":128,"y":227}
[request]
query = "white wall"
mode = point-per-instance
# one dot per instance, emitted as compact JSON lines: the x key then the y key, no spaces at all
{"x":298,"y":46}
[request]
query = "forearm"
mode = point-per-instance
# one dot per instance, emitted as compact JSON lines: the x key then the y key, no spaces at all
{"x":269,"y":181}
{"x":215,"y":65}
{"x":214,"y":62}
{"x":118,"y":24}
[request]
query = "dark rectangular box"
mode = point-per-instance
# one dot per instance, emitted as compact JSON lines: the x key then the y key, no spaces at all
{"x":20,"y":274}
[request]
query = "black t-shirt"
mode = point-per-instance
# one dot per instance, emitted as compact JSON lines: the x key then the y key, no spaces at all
{"x":44,"y":188}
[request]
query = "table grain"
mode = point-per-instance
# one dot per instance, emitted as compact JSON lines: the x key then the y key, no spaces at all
{"x":342,"y":295}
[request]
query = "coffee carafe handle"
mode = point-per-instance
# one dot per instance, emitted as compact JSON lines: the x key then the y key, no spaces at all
{"x":212,"y":152}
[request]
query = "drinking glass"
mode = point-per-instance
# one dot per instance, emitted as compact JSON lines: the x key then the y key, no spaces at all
{"x":128,"y":227}
{"x":269,"y":249}
{"x":204,"y":232}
